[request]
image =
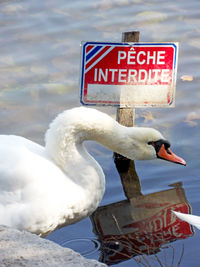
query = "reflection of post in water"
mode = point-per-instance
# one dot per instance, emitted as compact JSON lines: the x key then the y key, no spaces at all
{"x":126,"y":167}
{"x":141,"y":225}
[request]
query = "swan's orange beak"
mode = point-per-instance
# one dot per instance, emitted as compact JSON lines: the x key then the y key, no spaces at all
{"x":167,"y":154}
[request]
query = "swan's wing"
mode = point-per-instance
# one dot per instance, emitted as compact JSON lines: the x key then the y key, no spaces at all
{"x":191,"y":219}
{"x":17,"y":156}
{"x":26,"y":172}
{"x":34,"y":192}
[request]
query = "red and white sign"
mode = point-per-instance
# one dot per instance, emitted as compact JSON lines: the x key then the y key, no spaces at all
{"x":128,"y":74}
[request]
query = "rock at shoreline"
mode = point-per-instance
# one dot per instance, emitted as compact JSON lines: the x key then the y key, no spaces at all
{"x":20,"y":248}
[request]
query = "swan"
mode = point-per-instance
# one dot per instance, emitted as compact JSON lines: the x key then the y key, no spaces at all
{"x":45,"y":188}
{"x":191,"y":219}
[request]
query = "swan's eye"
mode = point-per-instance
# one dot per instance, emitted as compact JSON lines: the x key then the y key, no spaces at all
{"x":151,"y":143}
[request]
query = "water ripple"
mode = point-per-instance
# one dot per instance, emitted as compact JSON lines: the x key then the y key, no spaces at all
{"x":84,"y":246}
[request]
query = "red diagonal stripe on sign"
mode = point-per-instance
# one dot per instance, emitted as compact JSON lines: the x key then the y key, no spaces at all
{"x":96,"y":57}
{"x":88,"y":48}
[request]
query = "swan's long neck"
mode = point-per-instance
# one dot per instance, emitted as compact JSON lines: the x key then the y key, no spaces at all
{"x":64,"y":142}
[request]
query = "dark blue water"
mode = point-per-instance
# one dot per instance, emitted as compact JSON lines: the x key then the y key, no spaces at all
{"x":39,"y":74}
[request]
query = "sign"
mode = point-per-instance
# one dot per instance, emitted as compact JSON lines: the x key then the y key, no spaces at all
{"x":128,"y":74}
{"x":140,"y":226}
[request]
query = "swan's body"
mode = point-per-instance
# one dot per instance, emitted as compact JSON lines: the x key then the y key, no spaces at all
{"x":42,"y":188}
{"x":191,"y":219}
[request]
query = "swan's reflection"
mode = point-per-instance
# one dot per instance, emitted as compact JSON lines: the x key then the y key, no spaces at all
{"x":141,"y":224}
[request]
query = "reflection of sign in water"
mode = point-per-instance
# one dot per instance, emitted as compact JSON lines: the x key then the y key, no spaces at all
{"x":139,"y":74}
{"x":141,"y":225}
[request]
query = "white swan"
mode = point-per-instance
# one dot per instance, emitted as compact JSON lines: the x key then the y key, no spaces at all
{"x":42,"y":188}
{"x":191,"y":219}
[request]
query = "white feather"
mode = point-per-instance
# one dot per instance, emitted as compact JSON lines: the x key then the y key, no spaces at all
{"x":191,"y":219}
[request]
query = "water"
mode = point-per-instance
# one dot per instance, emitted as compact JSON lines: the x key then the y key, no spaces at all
{"x":39,"y":74}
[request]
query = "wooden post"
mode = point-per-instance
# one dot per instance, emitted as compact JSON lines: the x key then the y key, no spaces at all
{"x":125,"y":116}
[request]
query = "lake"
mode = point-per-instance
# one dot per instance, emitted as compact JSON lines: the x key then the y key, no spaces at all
{"x":39,"y":74}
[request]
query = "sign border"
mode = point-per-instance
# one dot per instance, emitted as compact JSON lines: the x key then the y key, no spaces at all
{"x":83,"y":57}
